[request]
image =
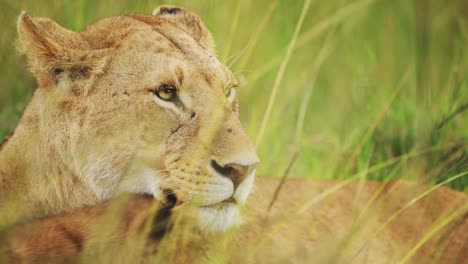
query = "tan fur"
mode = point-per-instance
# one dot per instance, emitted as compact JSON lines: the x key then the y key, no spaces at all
{"x":337,"y":227}
{"x":335,"y":221}
{"x":94,"y":127}
{"x":57,"y":239}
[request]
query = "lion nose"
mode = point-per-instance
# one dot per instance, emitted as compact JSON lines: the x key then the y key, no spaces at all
{"x":235,"y":172}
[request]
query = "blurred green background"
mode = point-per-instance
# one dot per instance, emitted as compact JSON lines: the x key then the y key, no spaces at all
{"x":372,"y":89}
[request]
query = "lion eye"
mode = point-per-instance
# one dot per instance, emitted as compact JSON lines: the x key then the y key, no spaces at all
{"x":165,"y":92}
{"x":229,"y":92}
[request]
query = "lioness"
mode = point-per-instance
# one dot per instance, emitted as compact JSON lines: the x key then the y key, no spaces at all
{"x":134,"y":103}
{"x":140,"y":104}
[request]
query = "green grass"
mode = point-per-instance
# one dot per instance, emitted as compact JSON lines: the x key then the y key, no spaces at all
{"x":366,"y":81}
{"x":366,"y":89}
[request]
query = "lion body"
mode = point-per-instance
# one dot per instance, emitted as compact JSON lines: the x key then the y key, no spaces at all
{"x":312,"y":221}
{"x":340,"y":221}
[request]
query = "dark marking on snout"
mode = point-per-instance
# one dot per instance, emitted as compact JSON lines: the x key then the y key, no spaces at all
{"x":176,"y":129}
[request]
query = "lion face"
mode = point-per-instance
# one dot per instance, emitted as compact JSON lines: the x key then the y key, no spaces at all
{"x":141,"y":104}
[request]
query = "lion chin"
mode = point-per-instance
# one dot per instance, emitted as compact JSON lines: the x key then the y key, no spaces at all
{"x":219,"y":218}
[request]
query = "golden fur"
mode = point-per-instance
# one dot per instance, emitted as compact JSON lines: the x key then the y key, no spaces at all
{"x":339,"y":221}
{"x":312,"y":221}
{"x":97,"y":126}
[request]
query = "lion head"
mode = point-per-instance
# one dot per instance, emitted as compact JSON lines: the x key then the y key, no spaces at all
{"x":140,"y":103}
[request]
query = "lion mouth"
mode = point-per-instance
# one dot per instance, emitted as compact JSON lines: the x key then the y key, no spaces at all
{"x":229,"y":201}
{"x":171,"y":201}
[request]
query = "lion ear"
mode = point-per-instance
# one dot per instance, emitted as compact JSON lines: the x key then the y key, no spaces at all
{"x":52,"y":50}
{"x":189,"y":22}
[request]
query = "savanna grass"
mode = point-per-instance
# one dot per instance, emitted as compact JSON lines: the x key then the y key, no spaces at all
{"x":365,"y":89}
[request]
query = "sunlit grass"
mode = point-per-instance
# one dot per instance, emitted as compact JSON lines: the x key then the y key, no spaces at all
{"x":367,"y":89}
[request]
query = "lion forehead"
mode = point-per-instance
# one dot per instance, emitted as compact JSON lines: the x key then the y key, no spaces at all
{"x":153,"y":33}
{"x":145,"y":41}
